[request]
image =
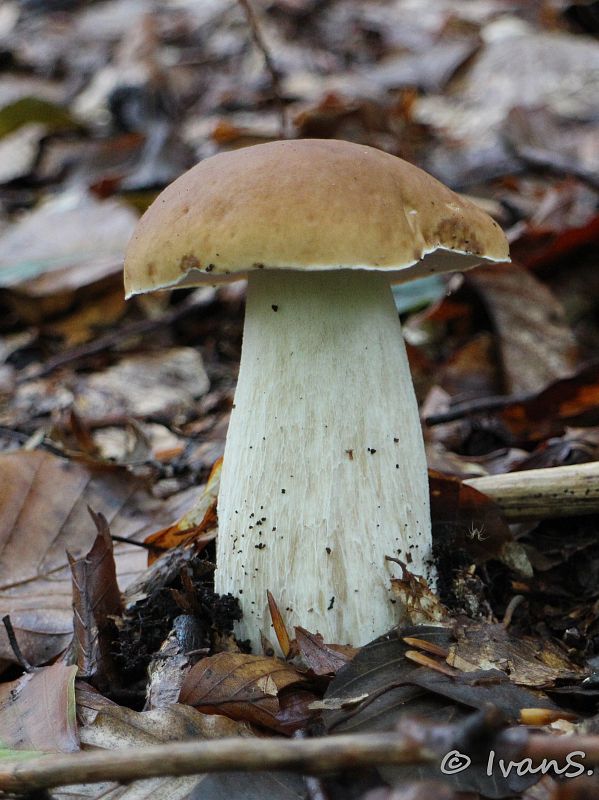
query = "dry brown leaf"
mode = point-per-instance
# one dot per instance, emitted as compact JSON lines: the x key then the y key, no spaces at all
{"x":198,"y":525}
{"x":43,"y":511}
{"x":490,"y":646}
{"x":535,"y":341}
{"x":96,"y":602}
{"x":37,"y":711}
{"x":319,"y":657}
{"x":240,"y":686}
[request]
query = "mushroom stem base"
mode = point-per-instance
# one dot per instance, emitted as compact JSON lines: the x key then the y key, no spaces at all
{"x":324,"y":472}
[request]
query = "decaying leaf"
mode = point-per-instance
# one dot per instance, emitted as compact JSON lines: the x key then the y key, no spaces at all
{"x":166,"y":382}
{"x":37,"y":711}
{"x":321,"y":658}
{"x":96,"y":604}
{"x":486,"y":646}
{"x":240,"y":686}
{"x":43,"y":512}
{"x":198,"y":525}
{"x":536,"y":344}
{"x":418,"y":602}
{"x":381,"y":686}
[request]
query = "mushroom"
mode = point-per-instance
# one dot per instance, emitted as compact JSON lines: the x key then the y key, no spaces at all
{"x":324,"y":471}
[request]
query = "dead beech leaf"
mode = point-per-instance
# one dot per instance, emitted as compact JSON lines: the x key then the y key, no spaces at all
{"x":465,"y":518}
{"x":43,"y":512}
{"x":96,"y":601}
{"x":421,"y":605}
{"x":240,"y":686}
{"x":65,"y":231}
{"x":198,"y":525}
{"x":153,"y":383}
{"x":536,"y":344}
{"x":23,"y":727}
{"x":527,"y":661}
{"x":570,"y":401}
{"x":108,"y":726}
{"x":319,"y":657}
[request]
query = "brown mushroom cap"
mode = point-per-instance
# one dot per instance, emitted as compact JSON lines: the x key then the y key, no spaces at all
{"x":306,"y":204}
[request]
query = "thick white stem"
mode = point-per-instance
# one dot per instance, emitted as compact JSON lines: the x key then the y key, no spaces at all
{"x":324,"y":472}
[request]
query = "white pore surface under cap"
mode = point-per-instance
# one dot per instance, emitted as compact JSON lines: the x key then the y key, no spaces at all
{"x":324,"y":472}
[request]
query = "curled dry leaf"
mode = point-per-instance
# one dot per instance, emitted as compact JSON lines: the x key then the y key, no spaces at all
{"x":240,"y":686}
{"x":420,"y":604}
{"x":321,"y":658}
{"x":198,"y":525}
{"x":96,"y":602}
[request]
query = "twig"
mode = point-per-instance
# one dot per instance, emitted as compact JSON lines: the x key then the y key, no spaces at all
{"x":152,"y":548}
{"x":275,"y":78}
{"x":12,"y":638}
{"x":116,"y":338}
{"x":538,"y":493}
{"x":310,"y":756}
{"x":479,"y":405}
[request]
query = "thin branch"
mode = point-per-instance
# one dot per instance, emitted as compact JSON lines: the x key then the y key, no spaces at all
{"x":478,"y":405}
{"x":310,"y":756}
{"x":275,"y":78}
{"x":116,"y":338}
{"x":567,"y":491}
{"x":12,"y":638}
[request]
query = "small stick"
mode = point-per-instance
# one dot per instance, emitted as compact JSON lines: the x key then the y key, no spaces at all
{"x":12,"y":638}
{"x":311,"y":756}
{"x":268,"y":61}
{"x":538,"y":493}
{"x":308,"y":756}
{"x":478,"y":405}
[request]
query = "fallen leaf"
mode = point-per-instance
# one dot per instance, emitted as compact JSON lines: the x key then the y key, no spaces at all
{"x":160,"y":383}
{"x":197,"y":525}
{"x":37,"y":711}
{"x":65,"y":232}
{"x":96,"y":604}
{"x":570,"y":401}
{"x":418,"y":602}
{"x":319,"y":657}
{"x":542,"y":139}
{"x":490,"y":646}
{"x":240,"y":686}
{"x":535,"y":341}
{"x":28,"y":110}
{"x":43,"y":512}
{"x":108,"y":726}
